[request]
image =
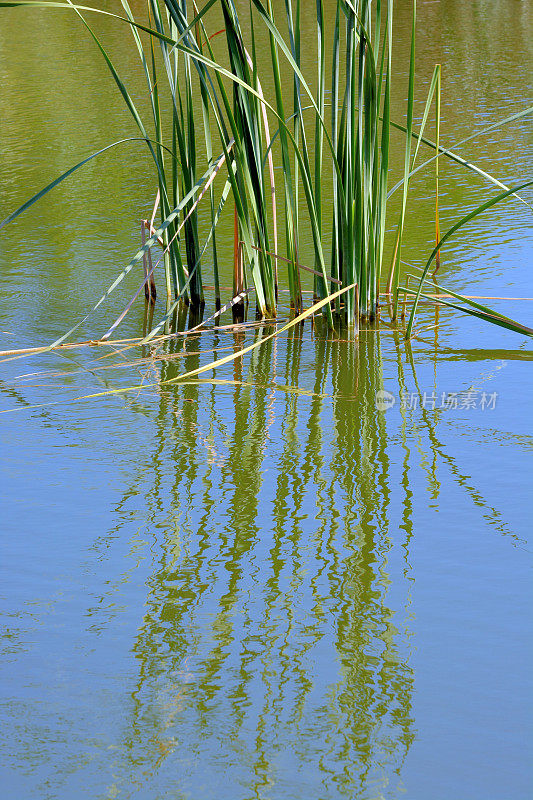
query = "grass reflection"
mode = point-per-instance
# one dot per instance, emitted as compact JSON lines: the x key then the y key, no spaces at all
{"x":269,"y":646}
{"x":269,"y":575}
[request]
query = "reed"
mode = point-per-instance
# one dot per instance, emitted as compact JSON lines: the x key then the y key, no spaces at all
{"x":211,"y":108}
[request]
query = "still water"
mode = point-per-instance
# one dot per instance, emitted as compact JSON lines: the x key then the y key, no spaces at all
{"x":262,"y":586}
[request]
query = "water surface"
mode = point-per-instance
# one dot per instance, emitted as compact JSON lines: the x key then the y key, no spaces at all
{"x":262,"y":587}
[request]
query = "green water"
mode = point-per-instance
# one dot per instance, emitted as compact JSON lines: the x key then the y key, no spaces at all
{"x":264,"y":587}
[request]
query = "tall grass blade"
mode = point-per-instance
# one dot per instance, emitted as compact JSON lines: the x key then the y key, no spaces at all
{"x":463,"y":221}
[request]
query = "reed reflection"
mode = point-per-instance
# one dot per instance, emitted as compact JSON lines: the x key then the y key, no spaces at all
{"x":269,"y":652}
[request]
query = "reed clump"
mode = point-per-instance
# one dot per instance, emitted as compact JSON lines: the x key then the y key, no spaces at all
{"x":207,"y":108}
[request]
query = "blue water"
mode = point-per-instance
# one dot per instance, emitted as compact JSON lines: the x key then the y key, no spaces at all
{"x":263,"y":587}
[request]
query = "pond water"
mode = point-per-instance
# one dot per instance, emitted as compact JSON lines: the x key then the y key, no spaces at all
{"x":263,"y":585}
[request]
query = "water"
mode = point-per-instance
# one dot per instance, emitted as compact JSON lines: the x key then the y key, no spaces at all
{"x":262,"y":587}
